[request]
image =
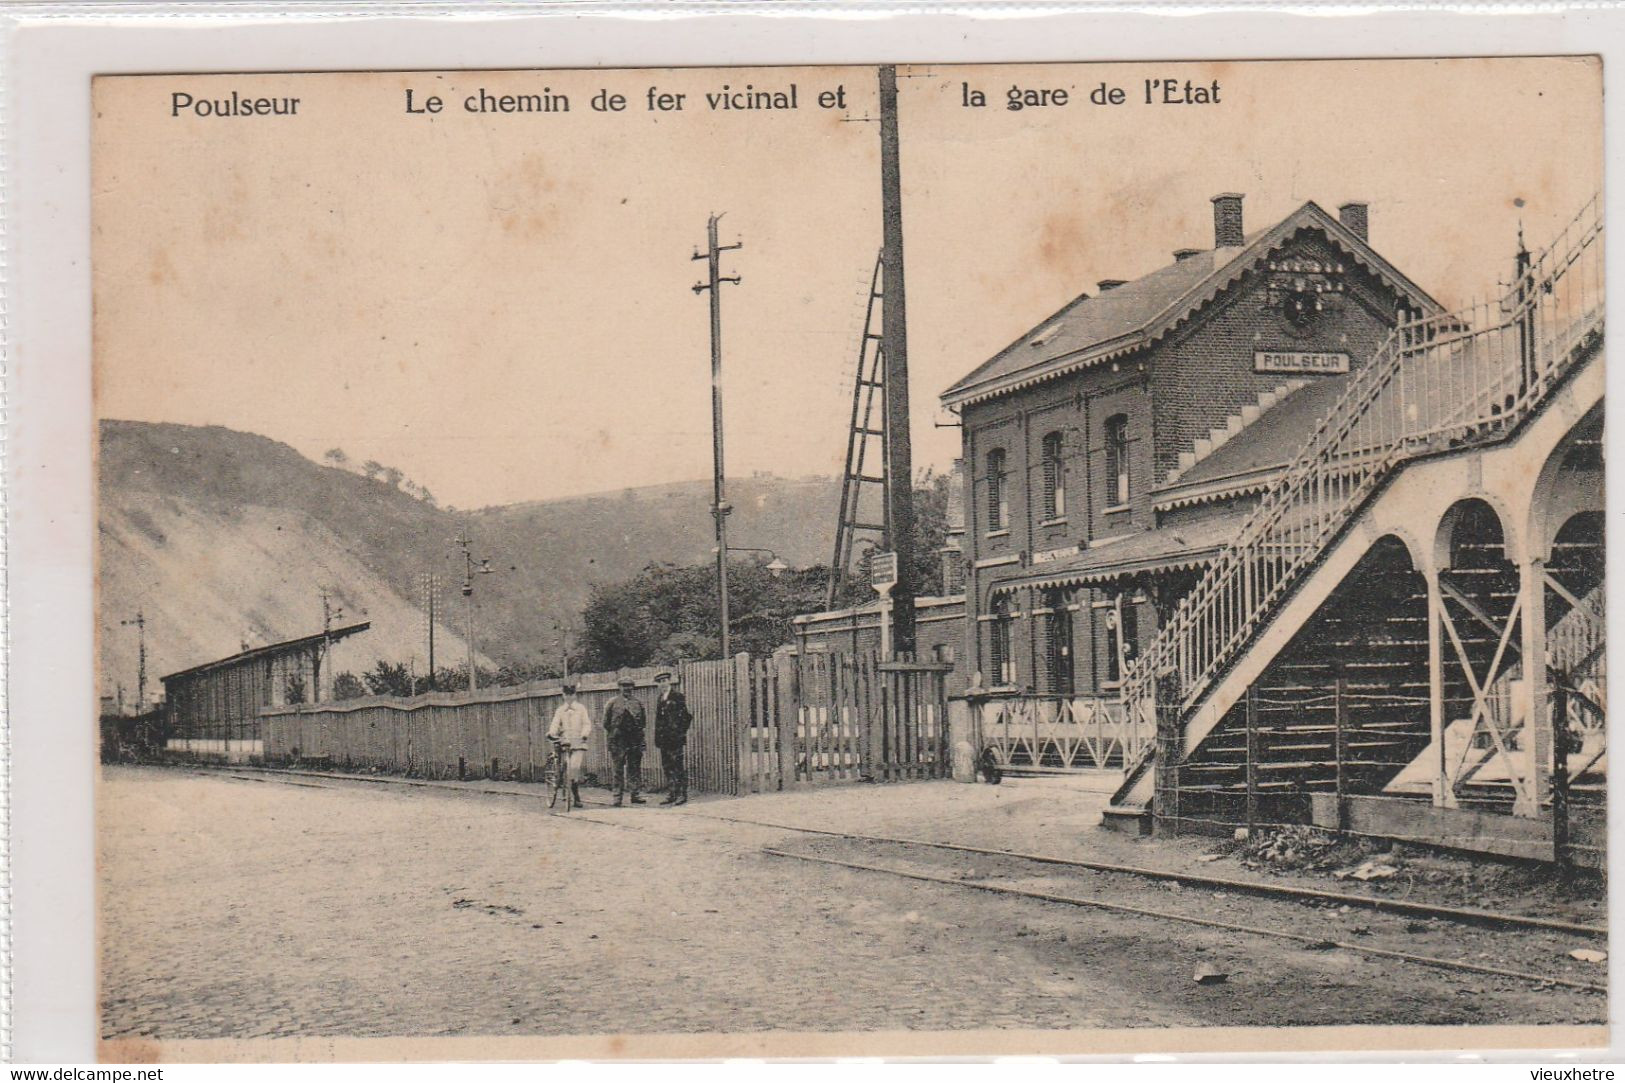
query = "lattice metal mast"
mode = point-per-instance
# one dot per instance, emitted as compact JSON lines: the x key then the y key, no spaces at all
{"x":868,"y":395}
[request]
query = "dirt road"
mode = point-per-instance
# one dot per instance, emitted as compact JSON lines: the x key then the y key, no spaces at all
{"x":245,"y":907}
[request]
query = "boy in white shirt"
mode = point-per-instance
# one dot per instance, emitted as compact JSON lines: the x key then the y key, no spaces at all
{"x":571,"y":729}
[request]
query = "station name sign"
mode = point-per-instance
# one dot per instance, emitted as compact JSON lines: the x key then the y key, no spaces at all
{"x":883,"y":571}
{"x":1299,"y":361}
{"x":1046,"y":556}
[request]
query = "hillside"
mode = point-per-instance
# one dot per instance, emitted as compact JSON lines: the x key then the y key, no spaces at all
{"x":223,"y":537}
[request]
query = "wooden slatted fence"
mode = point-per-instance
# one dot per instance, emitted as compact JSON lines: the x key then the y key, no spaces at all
{"x":760,"y":725}
{"x":501,"y":733}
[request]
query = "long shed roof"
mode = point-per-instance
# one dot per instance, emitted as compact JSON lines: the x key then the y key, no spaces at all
{"x":288,"y":646}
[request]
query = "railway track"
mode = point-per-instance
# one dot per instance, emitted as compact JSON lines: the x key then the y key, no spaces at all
{"x":1489,"y":944}
{"x":1522,"y":955}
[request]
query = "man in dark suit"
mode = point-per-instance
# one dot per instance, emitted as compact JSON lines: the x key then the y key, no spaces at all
{"x":623,"y":729}
{"x":672,"y":719}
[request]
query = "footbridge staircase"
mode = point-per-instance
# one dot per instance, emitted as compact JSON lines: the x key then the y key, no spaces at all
{"x":1367,"y":632}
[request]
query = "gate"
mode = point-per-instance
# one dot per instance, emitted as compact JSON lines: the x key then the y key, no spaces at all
{"x":833,"y":718}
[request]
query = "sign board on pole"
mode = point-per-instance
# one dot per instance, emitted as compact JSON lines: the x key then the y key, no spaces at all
{"x":883,"y":571}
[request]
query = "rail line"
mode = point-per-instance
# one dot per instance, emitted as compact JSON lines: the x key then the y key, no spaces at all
{"x":1462,"y":915}
{"x":1211,"y":923}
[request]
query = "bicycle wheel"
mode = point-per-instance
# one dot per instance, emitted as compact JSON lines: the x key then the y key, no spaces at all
{"x":554,"y":779}
{"x":563,"y":786}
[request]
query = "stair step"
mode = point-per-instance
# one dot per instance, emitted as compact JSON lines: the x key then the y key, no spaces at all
{"x":1128,"y":819}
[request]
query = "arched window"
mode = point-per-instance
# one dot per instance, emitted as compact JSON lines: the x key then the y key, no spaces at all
{"x":1054,"y":477}
{"x":998,"y":507}
{"x":1117,"y":487}
{"x":999,"y":662}
{"x":1058,"y":637}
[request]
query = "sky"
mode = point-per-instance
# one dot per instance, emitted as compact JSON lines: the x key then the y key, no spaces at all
{"x":501,"y":304}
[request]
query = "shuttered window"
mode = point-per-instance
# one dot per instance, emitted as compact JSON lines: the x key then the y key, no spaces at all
{"x":1000,"y":664}
{"x":998,"y":508}
{"x":1117,"y":481}
{"x":1054,"y":477}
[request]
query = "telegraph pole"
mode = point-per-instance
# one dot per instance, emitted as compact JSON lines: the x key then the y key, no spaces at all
{"x":894,"y":346}
{"x":432,"y":582}
{"x":140,"y":625}
{"x":719,"y":505}
{"x":329,"y":615}
{"x":471,"y":568}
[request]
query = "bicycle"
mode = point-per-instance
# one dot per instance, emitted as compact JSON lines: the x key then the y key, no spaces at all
{"x":557,"y":774}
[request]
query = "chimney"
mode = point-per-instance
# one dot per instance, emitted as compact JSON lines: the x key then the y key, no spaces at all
{"x":952,"y":552}
{"x":1227,"y":231}
{"x":1183,"y":254}
{"x":953,"y":567}
{"x":1357,"y":217}
{"x":1109,"y":284}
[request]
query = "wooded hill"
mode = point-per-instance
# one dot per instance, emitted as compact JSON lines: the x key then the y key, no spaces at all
{"x":223,"y":538}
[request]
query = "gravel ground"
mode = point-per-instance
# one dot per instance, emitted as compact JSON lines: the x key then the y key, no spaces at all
{"x":248,"y":907}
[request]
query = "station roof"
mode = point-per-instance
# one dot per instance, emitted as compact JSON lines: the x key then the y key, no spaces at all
{"x":1092,"y":329}
{"x":1185,"y":545}
{"x":1261,"y":448}
{"x":288,"y":646}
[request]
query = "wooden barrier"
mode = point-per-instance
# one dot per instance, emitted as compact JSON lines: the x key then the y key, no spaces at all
{"x":760,"y":725}
{"x":819,"y":719}
{"x":502,"y":732}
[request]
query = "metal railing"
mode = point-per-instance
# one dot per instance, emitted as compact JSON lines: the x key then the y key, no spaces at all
{"x":1461,"y":379}
{"x":1062,"y":733}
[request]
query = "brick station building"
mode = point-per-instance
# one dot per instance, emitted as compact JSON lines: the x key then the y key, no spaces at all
{"x":1111,"y":451}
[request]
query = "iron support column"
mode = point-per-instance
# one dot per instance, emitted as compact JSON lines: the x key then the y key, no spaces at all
{"x":1536,"y":752}
{"x":1443,"y":795}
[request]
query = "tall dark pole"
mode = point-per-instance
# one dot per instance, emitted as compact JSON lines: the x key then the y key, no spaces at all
{"x":894,"y":334}
{"x":434,"y":588}
{"x":471,"y":568}
{"x":140,"y":624}
{"x":719,"y":504}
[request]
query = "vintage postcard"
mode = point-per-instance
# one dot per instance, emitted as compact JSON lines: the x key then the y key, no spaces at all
{"x":1057,"y":558}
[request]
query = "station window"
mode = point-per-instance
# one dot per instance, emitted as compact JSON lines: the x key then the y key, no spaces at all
{"x":1054,"y":477}
{"x":1117,"y":487}
{"x":1122,"y":638}
{"x":1000,"y":663}
{"x":1059,"y":641}
{"x":998,"y":505}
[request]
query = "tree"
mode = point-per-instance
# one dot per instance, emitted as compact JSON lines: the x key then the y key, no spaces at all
{"x":335,"y":456}
{"x":386,"y":679}
{"x":666,"y":614}
{"x":930,"y":530}
{"x":372,"y":468}
{"x":930,"y":535}
{"x":348,"y":686}
{"x":393,"y":476}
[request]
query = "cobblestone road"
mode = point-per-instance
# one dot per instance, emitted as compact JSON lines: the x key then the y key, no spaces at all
{"x":253,"y":908}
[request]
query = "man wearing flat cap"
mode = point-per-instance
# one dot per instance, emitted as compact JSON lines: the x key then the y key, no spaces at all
{"x":672,"y":720}
{"x":624,"y":729}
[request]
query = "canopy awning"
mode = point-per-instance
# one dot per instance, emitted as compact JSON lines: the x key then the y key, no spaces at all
{"x":1177,"y":547}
